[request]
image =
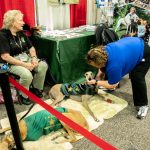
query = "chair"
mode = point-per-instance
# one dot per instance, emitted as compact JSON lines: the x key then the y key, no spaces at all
{"x":31,"y":88}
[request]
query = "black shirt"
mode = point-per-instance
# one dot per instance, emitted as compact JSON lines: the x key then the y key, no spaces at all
{"x":13,"y":45}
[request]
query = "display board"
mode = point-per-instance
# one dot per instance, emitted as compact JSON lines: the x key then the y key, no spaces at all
{"x":145,"y":4}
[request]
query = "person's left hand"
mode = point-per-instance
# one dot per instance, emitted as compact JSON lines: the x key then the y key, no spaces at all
{"x":35,"y":62}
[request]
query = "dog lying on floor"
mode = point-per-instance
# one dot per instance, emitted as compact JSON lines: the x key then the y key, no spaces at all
{"x":42,"y":123}
{"x":78,"y":92}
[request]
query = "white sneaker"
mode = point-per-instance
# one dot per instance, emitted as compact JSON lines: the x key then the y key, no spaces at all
{"x":143,"y":110}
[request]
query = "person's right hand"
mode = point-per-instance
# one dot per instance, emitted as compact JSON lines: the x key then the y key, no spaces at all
{"x":29,"y":66}
{"x":91,"y":82}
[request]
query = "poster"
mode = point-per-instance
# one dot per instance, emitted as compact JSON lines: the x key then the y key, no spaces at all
{"x":142,"y":11}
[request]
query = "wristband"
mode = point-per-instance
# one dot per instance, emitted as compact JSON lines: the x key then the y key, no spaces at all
{"x":33,"y":57}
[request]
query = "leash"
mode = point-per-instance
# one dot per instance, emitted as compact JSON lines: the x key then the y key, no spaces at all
{"x":30,"y":108}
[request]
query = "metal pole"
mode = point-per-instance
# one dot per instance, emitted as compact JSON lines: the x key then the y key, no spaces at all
{"x":10,"y":110}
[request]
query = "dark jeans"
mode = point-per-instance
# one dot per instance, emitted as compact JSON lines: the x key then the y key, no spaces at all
{"x":137,"y":77}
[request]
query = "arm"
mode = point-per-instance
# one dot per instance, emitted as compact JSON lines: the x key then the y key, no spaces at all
{"x":104,"y":84}
{"x":127,"y":19}
{"x":11,"y":60}
{"x":32,"y":52}
{"x":136,"y":17}
{"x":100,"y":75}
{"x":33,"y":55}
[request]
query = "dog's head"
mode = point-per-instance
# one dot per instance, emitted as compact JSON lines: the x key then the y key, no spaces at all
{"x":35,"y":31}
{"x":89,"y":75}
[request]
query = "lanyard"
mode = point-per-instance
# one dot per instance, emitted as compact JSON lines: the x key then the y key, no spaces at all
{"x":18,"y":44}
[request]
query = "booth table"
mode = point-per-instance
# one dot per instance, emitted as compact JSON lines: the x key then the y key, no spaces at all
{"x":66,"y":56}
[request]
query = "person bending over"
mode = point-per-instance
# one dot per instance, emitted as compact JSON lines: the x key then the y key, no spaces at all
{"x":127,"y":55}
{"x":18,"y":52}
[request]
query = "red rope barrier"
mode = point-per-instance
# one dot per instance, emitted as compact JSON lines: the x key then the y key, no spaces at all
{"x":93,"y":138}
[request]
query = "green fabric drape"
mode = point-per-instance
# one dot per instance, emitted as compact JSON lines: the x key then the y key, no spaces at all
{"x":66,"y":57}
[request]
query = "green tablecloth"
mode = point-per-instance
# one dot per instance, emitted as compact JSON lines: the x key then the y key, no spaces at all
{"x":66,"y":57}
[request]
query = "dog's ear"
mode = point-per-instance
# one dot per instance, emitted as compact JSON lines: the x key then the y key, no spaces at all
{"x":85,"y":74}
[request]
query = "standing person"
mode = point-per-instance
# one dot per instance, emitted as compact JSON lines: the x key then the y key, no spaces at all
{"x":147,"y":33}
{"x":18,"y":52}
{"x":128,"y":19}
{"x":141,"y":28}
{"x":127,"y":55}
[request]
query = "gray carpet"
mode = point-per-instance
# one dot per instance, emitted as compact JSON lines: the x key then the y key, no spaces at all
{"x":123,"y":131}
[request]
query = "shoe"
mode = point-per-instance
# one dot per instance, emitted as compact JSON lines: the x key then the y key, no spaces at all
{"x":24,"y":100}
{"x":37,"y":92}
{"x":142,"y":112}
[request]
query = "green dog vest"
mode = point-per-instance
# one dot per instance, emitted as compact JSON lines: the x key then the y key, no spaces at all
{"x":77,"y":89}
{"x":42,"y":123}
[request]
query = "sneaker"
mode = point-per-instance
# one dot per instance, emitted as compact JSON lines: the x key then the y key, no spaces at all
{"x":24,"y":100}
{"x":37,"y":92}
{"x":142,"y":112}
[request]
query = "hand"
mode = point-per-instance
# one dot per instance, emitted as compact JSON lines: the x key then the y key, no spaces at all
{"x":91,"y":82}
{"x":35,"y":62}
{"x":29,"y":66}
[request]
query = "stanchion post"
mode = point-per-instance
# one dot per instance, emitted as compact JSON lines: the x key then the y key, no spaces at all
{"x":4,"y":83}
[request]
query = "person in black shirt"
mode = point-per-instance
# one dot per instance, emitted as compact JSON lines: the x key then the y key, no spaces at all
{"x":18,"y":52}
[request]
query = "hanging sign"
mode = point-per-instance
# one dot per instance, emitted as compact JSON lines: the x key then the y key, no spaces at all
{"x":56,"y":2}
{"x":53,"y":2}
{"x":71,"y":1}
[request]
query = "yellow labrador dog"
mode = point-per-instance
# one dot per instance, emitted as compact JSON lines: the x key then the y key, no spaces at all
{"x":42,"y":123}
{"x":78,"y":92}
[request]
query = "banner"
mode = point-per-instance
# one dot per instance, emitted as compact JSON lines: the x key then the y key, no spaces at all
{"x":71,"y":1}
{"x":56,"y":2}
{"x":53,"y":2}
{"x":78,"y":14}
{"x":25,"y":6}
